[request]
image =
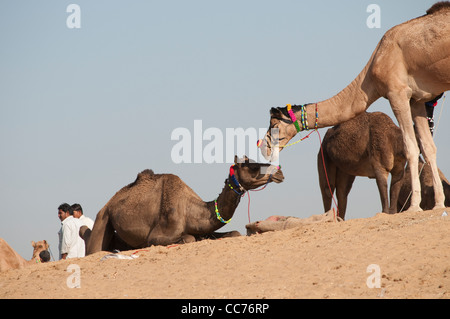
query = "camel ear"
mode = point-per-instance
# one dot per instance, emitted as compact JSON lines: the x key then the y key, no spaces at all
{"x":275,"y":111}
{"x":33,"y":244}
{"x":238,"y":160}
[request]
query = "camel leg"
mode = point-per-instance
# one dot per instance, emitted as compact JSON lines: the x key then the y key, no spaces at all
{"x":232,"y":233}
{"x":323,"y":184}
{"x":344,"y":184}
{"x":381,"y":176}
{"x":101,"y":234}
{"x":402,"y":110}
{"x":186,"y":239}
{"x":429,"y":150}
{"x":396,"y":184}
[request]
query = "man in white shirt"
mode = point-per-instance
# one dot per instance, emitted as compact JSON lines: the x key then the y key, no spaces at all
{"x":78,"y":213}
{"x":70,"y":243}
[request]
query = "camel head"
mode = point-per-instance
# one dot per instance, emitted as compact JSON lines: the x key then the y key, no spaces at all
{"x":281,"y":130}
{"x":251,"y":175}
{"x":39,"y":247}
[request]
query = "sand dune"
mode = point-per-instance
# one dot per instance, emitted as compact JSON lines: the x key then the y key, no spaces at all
{"x":326,"y":260}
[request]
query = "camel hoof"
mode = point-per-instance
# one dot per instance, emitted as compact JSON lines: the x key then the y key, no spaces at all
{"x":439,"y":207}
{"x":414,"y":209}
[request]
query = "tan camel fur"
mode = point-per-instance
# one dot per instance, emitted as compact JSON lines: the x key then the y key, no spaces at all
{"x":276,"y":222}
{"x":368,"y":145}
{"x":10,"y":259}
{"x":160,"y":209}
{"x":410,"y":65}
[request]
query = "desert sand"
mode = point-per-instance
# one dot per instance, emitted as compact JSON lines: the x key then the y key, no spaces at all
{"x":322,"y":260}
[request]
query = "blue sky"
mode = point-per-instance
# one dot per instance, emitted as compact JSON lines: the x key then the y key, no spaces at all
{"x":82,"y":111}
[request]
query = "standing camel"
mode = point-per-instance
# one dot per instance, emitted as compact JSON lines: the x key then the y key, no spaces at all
{"x":368,"y":145}
{"x":160,"y":209}
{"x":410,"y":65}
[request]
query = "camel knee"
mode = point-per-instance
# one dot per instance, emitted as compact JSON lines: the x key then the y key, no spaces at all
{"x":412,"y":151}
{"x":429,"y":152}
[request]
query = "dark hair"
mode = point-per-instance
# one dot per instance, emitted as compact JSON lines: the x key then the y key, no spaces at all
{"x":44,"y":255}
{"x":64,"y":207}
{"x":76,"y":207}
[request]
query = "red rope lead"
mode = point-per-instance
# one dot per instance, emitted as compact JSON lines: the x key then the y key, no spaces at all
{"x":324,"y":167}
{"x":326,"y":175}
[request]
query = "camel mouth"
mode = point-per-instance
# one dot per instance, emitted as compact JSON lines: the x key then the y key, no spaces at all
{"x":278,"y":177}
{"x":273,"y":174}
{"x":270,"y":152}
{"x":265,"y":149}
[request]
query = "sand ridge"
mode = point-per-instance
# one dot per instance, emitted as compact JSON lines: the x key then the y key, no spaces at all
{"x":325,"y":260}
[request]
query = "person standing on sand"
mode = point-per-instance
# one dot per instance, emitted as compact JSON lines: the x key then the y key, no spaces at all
{"x":71,"y":245}
{"x":78,"y":213}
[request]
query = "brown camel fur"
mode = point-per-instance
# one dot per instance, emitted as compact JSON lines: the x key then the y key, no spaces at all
{"x":160,"y":209}
{"x":410,"y":65}
{"x":368,"y":145}
{"x":10,"y":259}
{"x":426,"y":183}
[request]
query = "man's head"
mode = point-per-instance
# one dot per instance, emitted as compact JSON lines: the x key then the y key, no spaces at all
{"x":76,"y":210}
{"x":63,"y":211}
{"x":44,"y":256}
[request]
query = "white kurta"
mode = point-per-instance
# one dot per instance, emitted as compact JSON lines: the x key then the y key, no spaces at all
{"x":86,"y":221}
{"x":70,"y":242}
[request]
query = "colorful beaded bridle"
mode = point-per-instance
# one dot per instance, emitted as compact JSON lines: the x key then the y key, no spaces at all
{"x":304,"y":121}
{"x":238,"y":189}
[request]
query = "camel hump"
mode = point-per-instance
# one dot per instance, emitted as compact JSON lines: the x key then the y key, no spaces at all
{"x":145,"y":174}
{"x":438,"y":6}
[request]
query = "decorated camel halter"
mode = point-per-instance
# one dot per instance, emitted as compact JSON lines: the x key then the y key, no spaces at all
{"x":233,"y":178}
{"x":304,"y":118}
{"x":218,"y":214}
{"x":304,"y":121}
{"x":429,"y":106}
{"x":241,"y":193}
{"x":238,"y":189}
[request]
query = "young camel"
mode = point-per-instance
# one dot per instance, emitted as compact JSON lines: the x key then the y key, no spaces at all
{"x":10,"y":259}
{"x":368,"y":145}
{"x":410,"y":65}
{"x":160,"y":209}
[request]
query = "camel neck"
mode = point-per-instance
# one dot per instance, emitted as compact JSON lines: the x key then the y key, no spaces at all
{"x":348,"y":103}
{"x":222,"y":209}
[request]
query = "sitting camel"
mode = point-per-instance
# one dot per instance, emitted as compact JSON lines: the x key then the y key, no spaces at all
{"x":10,"y":259}
{"x":368,"y":145}
{"x":277,"y":222}
{"x":160,"y":209}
